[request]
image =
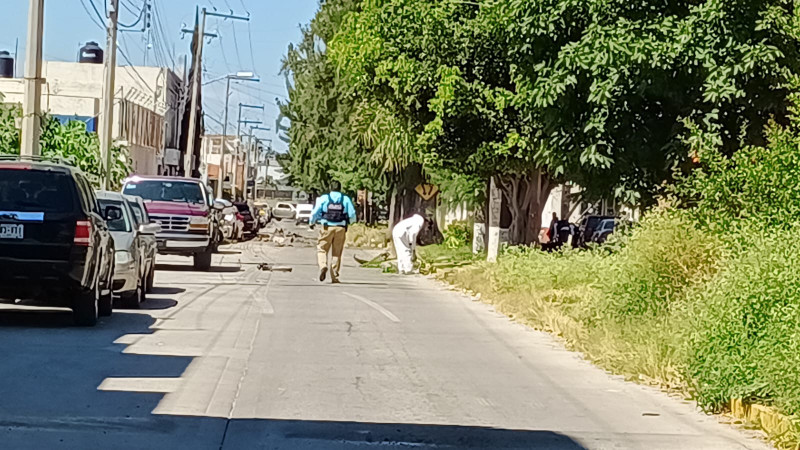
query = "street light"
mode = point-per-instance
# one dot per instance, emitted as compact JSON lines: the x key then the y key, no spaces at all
{"x":239,"y":76}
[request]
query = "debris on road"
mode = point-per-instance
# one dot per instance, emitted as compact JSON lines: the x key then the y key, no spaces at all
{"x":267,"y":267}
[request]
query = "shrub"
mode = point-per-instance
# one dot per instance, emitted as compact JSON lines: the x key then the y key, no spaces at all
{"x":458,"y":234}
{"x":746,"y":326}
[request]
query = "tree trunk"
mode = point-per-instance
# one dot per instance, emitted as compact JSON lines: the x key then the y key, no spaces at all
{"x":525,"y":196}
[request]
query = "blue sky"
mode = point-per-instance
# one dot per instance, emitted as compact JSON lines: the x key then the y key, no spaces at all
{"x":273,"y":25}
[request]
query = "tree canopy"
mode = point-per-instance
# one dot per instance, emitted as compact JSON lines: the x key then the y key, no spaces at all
{"x":536,"y":92}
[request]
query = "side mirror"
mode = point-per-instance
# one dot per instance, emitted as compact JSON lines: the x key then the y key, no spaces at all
{"x":218,"y":205}
{"x":113,"y":213}
{"x":150,"y":229}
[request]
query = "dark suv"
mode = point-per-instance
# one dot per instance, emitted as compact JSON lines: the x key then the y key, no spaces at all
{"x":55,"y":248}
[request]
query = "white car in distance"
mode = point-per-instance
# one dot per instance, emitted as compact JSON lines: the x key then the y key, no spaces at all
{"x":304,"y":213}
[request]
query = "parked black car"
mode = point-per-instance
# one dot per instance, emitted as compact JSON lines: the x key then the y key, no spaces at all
{"x":247,"y":217}
{"x":588,"y":226}
{"x":55,"y":247}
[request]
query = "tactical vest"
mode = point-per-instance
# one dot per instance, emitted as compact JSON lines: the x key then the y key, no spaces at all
{"x":335,"y":212}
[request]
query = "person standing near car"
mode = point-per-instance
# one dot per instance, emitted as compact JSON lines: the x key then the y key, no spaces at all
{"x":334,"y":211}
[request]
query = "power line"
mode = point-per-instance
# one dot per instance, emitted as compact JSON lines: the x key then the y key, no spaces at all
{"x":89,"y":13}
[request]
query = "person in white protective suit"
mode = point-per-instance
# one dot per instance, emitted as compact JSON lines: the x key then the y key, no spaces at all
{"x":404,"y":235}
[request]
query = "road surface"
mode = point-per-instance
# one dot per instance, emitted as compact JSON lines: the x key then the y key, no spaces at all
{"x":240,"y":358}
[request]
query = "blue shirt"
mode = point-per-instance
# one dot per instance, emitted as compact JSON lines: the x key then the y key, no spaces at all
{"x":322,"y":206}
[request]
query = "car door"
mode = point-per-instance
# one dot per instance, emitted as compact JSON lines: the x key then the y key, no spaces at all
{"x":138,"y":241}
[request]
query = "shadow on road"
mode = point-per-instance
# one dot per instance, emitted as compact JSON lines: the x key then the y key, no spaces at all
{"x":188,"y":268}
{"x":164,"y":290}
{"x":295,"y":434}
{"x":153,"y":304}
{"x":35,"y":318}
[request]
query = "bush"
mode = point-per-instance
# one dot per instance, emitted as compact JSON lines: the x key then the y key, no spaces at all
{"x":746,"y":326}
{"x":365,"y":236}
{"x":458,"y":234}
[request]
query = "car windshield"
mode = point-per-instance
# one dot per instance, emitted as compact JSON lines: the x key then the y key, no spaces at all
{"x":167,"y":191}
{"x":121,"y":224}
{"x":35,"y":191}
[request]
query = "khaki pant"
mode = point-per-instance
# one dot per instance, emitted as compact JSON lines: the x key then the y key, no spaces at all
{"x":331,"y":239}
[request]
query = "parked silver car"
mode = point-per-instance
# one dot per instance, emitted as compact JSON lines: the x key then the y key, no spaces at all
{"x":149,"y":241}
{"x":130,"y":270}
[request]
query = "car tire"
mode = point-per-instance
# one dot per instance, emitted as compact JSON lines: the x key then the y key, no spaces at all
{"x":133,"y":300}
{"x":202,"y":261}
{"x":150,"y":278}
{"x":85,"y":310}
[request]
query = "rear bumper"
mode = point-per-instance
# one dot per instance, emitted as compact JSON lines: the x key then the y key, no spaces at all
{"x":125,"y":278}
{"x":182,"y":244}
{"x":45,"y":280}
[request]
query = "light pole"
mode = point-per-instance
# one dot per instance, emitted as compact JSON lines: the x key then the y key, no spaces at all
{"x":240,"y":76}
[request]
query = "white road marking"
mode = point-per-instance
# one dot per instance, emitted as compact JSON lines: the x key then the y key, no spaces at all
{"x":375,"y":306}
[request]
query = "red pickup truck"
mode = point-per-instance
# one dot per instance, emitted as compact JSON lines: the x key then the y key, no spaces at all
{"x":186,"y":212}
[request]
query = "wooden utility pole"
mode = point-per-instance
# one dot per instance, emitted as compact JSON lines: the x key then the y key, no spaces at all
{"x":107,"y":112}
{"x":197,"y":67}
{"x":188,"y":158}
{"x":32,"y":103}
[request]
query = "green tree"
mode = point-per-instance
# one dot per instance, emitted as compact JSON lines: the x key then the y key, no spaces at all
{"x":70,"y":143}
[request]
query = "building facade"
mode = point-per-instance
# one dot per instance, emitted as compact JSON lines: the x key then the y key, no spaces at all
{"x":147,"y":108}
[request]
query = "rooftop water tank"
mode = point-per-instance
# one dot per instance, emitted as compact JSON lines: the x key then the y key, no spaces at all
{"x":91,"y":53}
{"x":6,"y":65}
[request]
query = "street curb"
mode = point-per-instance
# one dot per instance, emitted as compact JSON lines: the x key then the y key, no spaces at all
{"x":779,"y":427}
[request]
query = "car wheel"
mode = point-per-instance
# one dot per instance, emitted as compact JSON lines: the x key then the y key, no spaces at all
{"x":133,"y":300}
{"x":151,"y":278}
{"x":202,"y":261}
{"x":85,"y":307}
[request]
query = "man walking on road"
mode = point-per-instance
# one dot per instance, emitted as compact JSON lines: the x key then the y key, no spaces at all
{"x":334,"y":211}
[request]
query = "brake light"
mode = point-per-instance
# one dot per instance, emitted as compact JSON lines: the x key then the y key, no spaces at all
{"x":240,"y":217}
{"x":83,"y":233}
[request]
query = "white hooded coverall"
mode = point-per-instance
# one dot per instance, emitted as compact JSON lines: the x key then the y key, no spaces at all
{"x":404,"y":235}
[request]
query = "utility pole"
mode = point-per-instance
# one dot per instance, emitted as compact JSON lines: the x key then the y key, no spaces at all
{"x":107,"y":112}
{"x":197,"y":67}
{"x":188,"y":158}
{"x":239,"y":123}
{"x":222,"y":170}
{"x":32,"y":103}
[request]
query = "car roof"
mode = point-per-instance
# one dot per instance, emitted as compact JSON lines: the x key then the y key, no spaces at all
{"x":39,"y":165}
{"x":138,"y":178}
{"x":110,"y":195}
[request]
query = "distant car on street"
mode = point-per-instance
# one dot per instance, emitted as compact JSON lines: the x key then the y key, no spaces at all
{"x":232,"y":224}
{"x":588,"y":226}
{"x":131,"y":269}
{"x":188,"y":215}
{"x":303,"y":213}
{"x":250,"y":226}
{"x":604,"y":229}
{"x":147,"y":233}
{"x":284,"y":210}
{"x":55,"y":247}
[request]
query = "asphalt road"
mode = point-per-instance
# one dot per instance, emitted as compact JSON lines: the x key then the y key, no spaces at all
{"x":240,"y":358}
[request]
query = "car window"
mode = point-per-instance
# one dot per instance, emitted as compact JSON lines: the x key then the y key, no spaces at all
{"x":139,"y":214}
{"x":36,"y":191}
{"x":167,"y":191}
{"x":121,"y":224}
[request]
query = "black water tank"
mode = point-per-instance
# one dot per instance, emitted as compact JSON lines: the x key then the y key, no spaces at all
{"x":91,"y":53}
{"x":6,"y":65}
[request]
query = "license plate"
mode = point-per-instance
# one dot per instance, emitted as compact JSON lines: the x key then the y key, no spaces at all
{"x":12,"y":231}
